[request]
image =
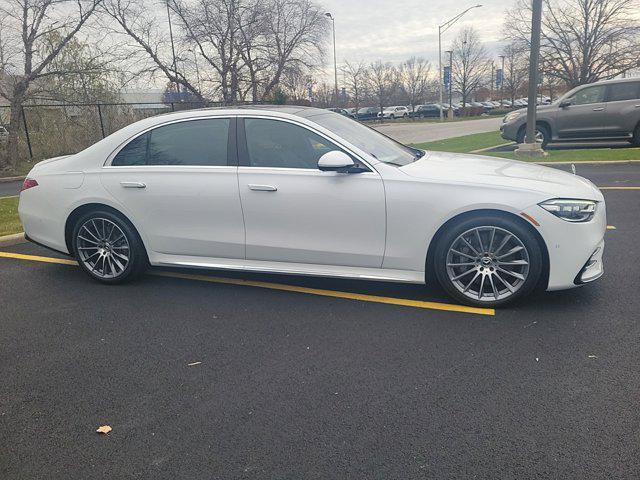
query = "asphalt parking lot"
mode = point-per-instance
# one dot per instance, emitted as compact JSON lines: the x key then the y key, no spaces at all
{"x":203,"y":379}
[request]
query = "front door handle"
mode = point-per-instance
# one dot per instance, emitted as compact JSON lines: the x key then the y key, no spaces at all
{"x":262,"y":188}
{"x":599,"y":109}
{"x":637,"y":106}
{"x":133,"y":184}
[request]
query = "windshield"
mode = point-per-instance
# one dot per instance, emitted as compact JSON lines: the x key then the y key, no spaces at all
{"x":376,"y":144}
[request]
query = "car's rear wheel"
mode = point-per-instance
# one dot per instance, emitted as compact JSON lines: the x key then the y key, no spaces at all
{"x":488,"y":261}
{"x":108,"y":248}
{"x":392,"y":117}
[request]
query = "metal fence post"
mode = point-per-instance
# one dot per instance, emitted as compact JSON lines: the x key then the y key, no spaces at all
{"x":100,"y":117}
{"x":26,"y":132}
{"x":173,"y":107}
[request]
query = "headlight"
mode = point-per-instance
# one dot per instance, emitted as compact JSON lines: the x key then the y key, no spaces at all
{"x":512,"y":116}
{"x":571,"y":210}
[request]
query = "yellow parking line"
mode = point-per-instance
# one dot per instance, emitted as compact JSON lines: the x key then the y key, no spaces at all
{"x":283,"y":287}
{"x":611,"y":227}
{"x":619,"y":188}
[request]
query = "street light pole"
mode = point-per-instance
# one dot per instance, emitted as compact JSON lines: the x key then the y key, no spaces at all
{"x":173,"y":50}
{"x":501,"y":57}
{"x":335,"y":60}
{"x":441,"y":29}
{"x":531,"y":147}
{"x":450,"y":111}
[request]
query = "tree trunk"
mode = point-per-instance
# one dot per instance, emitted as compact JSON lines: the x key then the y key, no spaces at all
{"x":13,"y":154}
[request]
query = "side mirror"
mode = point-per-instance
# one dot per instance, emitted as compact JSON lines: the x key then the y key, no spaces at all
{"x":337,"y":161}
{"x":566,"y":103}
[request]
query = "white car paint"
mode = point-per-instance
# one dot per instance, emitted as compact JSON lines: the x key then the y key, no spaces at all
{"x":394,"y":112}
{"x":375,"y":225}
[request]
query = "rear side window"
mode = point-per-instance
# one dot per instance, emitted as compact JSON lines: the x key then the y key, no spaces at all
{"x":195,"y":142}
{"x":624,"y":91}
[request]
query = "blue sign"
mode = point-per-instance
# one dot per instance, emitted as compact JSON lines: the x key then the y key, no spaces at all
{"x":447,"y":76}
{"x":499,"y":77}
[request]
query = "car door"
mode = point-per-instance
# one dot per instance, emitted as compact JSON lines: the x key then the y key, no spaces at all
{"x":178,"y":183}
{"x":585,"y":116}
{"x":623,"y":109}
{"x":294,"y":212}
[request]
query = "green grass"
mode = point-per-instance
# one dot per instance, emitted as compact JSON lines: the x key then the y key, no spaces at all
{"x":478,"y":141}
{"x":9,"y":221}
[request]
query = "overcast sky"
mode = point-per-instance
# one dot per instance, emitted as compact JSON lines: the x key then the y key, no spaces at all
{"x":394,"y":30}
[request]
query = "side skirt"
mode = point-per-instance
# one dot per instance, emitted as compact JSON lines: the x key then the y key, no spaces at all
{"x":357,"y":273}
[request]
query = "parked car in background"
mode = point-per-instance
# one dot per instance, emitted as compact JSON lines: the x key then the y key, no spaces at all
{"x":399,"y":111}
{"x":227,"y":188}
{"x":426,"y":111}
{"x":351,"y":112}
{"x":368,"y":113}
{"x":607,"y":110}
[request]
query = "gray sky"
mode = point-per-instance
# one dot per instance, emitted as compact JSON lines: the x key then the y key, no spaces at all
{"x":394,"y":30}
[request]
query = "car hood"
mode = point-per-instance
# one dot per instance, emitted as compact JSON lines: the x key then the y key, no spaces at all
{"x":501,"y":173}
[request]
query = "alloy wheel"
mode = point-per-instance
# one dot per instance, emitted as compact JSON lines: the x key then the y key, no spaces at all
{"x":487,"y":263}
{"x":103,"y":248}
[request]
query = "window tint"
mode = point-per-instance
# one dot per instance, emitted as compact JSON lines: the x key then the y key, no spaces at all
{"x":195,"y":142}
{"x":624,"y":91}
{"x":272,"y":143}
{"x":589,"y":95}
{"x":133,"y":153}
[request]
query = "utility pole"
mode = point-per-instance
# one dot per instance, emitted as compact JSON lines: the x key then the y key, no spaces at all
{"x":173,"y":50}
{"x":531,"y":147}
{"x":335,"y":60}
{"x":493,"y":71}
{"x":501,"y":57}
{"x":450,"y":111}
{"x":441,"y":29}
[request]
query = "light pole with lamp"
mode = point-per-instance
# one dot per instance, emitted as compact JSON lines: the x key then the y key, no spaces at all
{"x":335,"y":61}
{"x":441,"y":29}
{"x":450,"y":111}
{"x":173,"y":50}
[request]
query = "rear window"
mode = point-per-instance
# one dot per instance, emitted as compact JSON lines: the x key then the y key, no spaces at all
{"x":624,"y":91}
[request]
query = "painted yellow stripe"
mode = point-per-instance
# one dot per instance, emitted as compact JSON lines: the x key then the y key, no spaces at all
{"x":611,"y":227}
{"x":284,"y":287}
{"x":36,"y":258}
{"x":619,"y":188}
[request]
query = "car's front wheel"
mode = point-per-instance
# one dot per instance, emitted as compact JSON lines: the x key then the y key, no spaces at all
{"x":542,"y":135}
{"x":108,"y":248}
{"x":488,"y":260}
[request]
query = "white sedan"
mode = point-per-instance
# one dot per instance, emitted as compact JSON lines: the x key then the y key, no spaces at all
{"x":310,"y":192}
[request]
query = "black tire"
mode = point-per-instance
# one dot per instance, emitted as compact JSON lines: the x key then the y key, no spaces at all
{"x":392,"y":117}
{"x":635,"y":140}
{"x":546,"y":135}
{"x":515,"y":227}
{"x":137,"y":255}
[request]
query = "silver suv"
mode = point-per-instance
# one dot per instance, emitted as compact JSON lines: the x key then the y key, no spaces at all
{"x":608,"y":110}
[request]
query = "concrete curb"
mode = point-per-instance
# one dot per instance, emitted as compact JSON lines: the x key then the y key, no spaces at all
{"x":10,"y":240}
{"x":11,"y":179}
{"x":589,"y":162}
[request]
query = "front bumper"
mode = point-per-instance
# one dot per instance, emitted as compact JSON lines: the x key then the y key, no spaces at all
{"x":509,"y":131}
{"x":575,"y":249}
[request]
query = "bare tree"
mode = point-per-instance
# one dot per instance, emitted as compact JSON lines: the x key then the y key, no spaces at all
{"x":516,"y":73}
{"x":582,"y":41}
{"x":355,"y":79}
{"x":382,"y":80}
{"x":33,"y":34}
{"x":414,"y":77}
{"x":470,"y":63}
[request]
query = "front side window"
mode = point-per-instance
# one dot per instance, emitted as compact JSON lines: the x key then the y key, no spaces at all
{"x":277,"y":144}
{"x":624,"y":91}
{"x":194,"y":142}
{"x":589,"y":95}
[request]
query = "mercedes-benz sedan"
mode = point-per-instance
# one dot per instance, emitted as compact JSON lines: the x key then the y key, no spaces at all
{"x":310,"y":192}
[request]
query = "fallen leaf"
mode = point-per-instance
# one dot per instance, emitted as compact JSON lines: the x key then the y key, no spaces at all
{"x":104,"y":429}
{"x":593,"y":356}
{"x":194,"y":363}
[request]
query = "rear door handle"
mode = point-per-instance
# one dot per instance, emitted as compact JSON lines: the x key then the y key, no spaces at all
{"x":637,"y":106}
{"x":599,"y":109}
{"x":262,"y":188}
{"x":133,"y":184}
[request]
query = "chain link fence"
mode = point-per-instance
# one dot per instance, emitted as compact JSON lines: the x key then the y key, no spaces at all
{"x":53,"y":129}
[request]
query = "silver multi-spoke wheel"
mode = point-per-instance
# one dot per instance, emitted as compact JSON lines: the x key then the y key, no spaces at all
{"x":487,"y":263}
{"x":103,"y":248}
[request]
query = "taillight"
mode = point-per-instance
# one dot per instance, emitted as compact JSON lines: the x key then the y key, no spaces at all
{"x":28,"y":183}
